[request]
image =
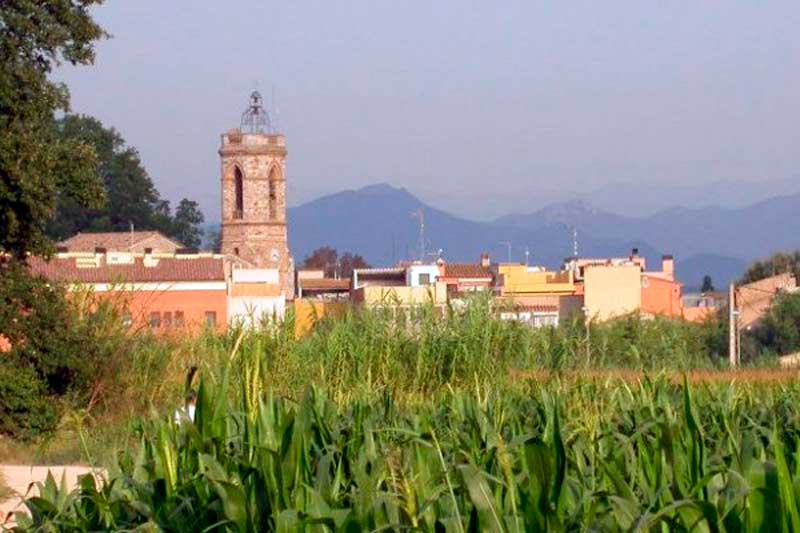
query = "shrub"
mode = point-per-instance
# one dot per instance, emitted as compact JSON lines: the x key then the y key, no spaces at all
{"x":26,"y":411}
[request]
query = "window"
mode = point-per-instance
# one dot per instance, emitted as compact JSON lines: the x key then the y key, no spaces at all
{"x":179,"y":320}
{"x":273,"y":194}
{"x":424,"y":279}
{"x":167,"y":319}
{"x":236,"y":251}
{"x":238,"y":184}
{"x":211,"y":319}
{"x":155,"y":319}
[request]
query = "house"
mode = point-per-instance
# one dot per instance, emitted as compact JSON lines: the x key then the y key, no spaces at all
{"x":753,"y":300}
{"x":617,"y":286}
{"x":462,"y":278}
{"x":161,"y":291}
{"x":121,"y":241}
{"x":698,"y":307}
{"x":405,"y":286}
{"x":534,"y":294}
{"x":312,"y":284}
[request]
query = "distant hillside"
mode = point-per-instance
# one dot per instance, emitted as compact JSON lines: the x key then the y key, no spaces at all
{"x":376,"y":222}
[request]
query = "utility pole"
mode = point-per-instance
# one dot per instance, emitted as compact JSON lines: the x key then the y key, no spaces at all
{"x":733,"y":327}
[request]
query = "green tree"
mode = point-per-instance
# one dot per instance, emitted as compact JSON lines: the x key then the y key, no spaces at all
{"x":131,"y":196}
{"x":779,"y":263}
{"x":708,"y":285}
{"x":779,"y":331}
{"x":37,"y":167}
{"x":186,"y":225}
{"x":328,"y":259}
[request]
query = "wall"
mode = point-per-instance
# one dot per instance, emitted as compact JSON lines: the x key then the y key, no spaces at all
{"x":404,"y":296}
{"x":612,"y":290}
{"x":415,"y":271}
{"x":171,"y":298}
{"x":307,"y":312}
{"x":661,"y":296}
{"x":522,"y":279}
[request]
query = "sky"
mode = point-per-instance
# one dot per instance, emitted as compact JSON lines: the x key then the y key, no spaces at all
{"x":481,"y":108}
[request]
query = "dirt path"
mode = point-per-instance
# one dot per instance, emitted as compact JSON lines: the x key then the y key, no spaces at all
{"x":20,"y":477}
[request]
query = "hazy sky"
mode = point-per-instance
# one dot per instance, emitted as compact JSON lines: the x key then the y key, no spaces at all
{"x":468,"y":104}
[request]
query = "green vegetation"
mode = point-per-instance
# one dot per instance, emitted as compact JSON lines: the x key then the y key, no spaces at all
{"x":777,"y":263}
{"x":427,"y":421}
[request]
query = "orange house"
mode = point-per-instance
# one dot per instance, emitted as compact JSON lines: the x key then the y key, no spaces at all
{"x":661,"y":293}
{"x":163,"y":292}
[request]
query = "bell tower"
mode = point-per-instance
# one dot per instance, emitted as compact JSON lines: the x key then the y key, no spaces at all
{"x":253,"y":177}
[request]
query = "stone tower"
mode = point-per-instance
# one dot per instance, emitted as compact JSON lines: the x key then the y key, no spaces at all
{"x":253,"y":161}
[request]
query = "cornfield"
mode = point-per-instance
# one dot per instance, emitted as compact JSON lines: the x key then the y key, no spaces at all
{"x":435,"y":437}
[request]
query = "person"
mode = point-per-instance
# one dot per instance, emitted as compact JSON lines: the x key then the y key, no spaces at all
{"x":187,"y":412}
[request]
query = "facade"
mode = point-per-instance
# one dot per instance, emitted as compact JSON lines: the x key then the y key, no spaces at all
{"x":702,"y":306}
{"x":611,"y":290}
{"x":253,"y":182}
{"x":467,"y":277}
{"x":661,"y":292}
{"x":753,"y":300}
{"x":391,"y":287}
{"x":161,"y":291}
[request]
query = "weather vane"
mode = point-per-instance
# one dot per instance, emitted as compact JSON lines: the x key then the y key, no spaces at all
{"x":255,"y":118}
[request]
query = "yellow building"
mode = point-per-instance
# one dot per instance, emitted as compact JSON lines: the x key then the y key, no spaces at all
{"x":612,"y":290}
{"x":518,"y":279}
{"x":400,"y":296}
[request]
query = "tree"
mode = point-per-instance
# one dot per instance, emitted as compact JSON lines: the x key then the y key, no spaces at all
{"x":328,"y":260}
{"x":36,"y":166}
{"x":708,"y":285}
{"x":131,"y":196}
{"x":323,"y":258}
{"x":779,"y":331}
{"x":186,"y":224}
{"x":778,"y":263}
{"x":349,"y":262}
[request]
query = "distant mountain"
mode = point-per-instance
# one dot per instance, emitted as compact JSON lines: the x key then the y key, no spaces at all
{"x":718,"y":240}
{"x":377,"y":222}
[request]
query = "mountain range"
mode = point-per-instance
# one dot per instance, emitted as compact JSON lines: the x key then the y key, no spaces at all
{"x":376,"y":221}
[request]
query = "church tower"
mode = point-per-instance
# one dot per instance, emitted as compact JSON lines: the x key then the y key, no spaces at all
{"x":253,"y":161}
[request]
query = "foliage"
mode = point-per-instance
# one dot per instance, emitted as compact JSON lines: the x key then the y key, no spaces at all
{"x":778,"y":263}
{"x":599,"y":455}
{"x":26,"y":409}
{"x":131,"y":196}
{"x":36,"y":166}
{"x":708,"y":284}
{"x":779,"y":331}
{"x":328,"y":260}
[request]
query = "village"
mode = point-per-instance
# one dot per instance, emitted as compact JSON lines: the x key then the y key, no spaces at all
{"x":252,"y":277}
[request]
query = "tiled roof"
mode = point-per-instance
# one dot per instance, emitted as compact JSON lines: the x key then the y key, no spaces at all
{"x":120,"y":241}
{"x":324,"y":284}
{"x":466,"y":270}
{"x":167,"y":269}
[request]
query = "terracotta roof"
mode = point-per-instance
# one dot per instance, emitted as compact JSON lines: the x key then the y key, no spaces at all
{"x":466,"y":270}
{"x":324,"y":284}
{"x":167,"y":269}
{"x":120,"y":241}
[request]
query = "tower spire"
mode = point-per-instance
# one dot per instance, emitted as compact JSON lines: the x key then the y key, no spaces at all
{"x":255,"y":118}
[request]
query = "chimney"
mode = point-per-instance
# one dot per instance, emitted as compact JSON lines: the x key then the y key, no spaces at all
{"x":485,"y":262}
{"x":635,"y":252}
{"x":668,"y":266}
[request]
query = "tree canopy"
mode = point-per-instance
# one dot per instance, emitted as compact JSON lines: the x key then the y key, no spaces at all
{"x":778,"y":263}
{"x":131,"y":198}
{"x":328,"y":260}
{"x":38,"y":168}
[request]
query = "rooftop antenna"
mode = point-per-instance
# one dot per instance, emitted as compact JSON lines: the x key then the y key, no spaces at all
{"x":419,"y":214}
{"x":527,"y":255}
{"x":255,"y":118}
{"x":507,"y":244}
{"x":575,"y":243}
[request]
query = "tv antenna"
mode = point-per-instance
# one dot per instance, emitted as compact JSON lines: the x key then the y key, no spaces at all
{"x":419,"y":214}
{"x":575,"y":243}
{"x":507,"y":244}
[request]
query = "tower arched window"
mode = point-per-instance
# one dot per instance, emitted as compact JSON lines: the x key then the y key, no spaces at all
{"x":273,"y":193}
{"x":238,"y":185}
